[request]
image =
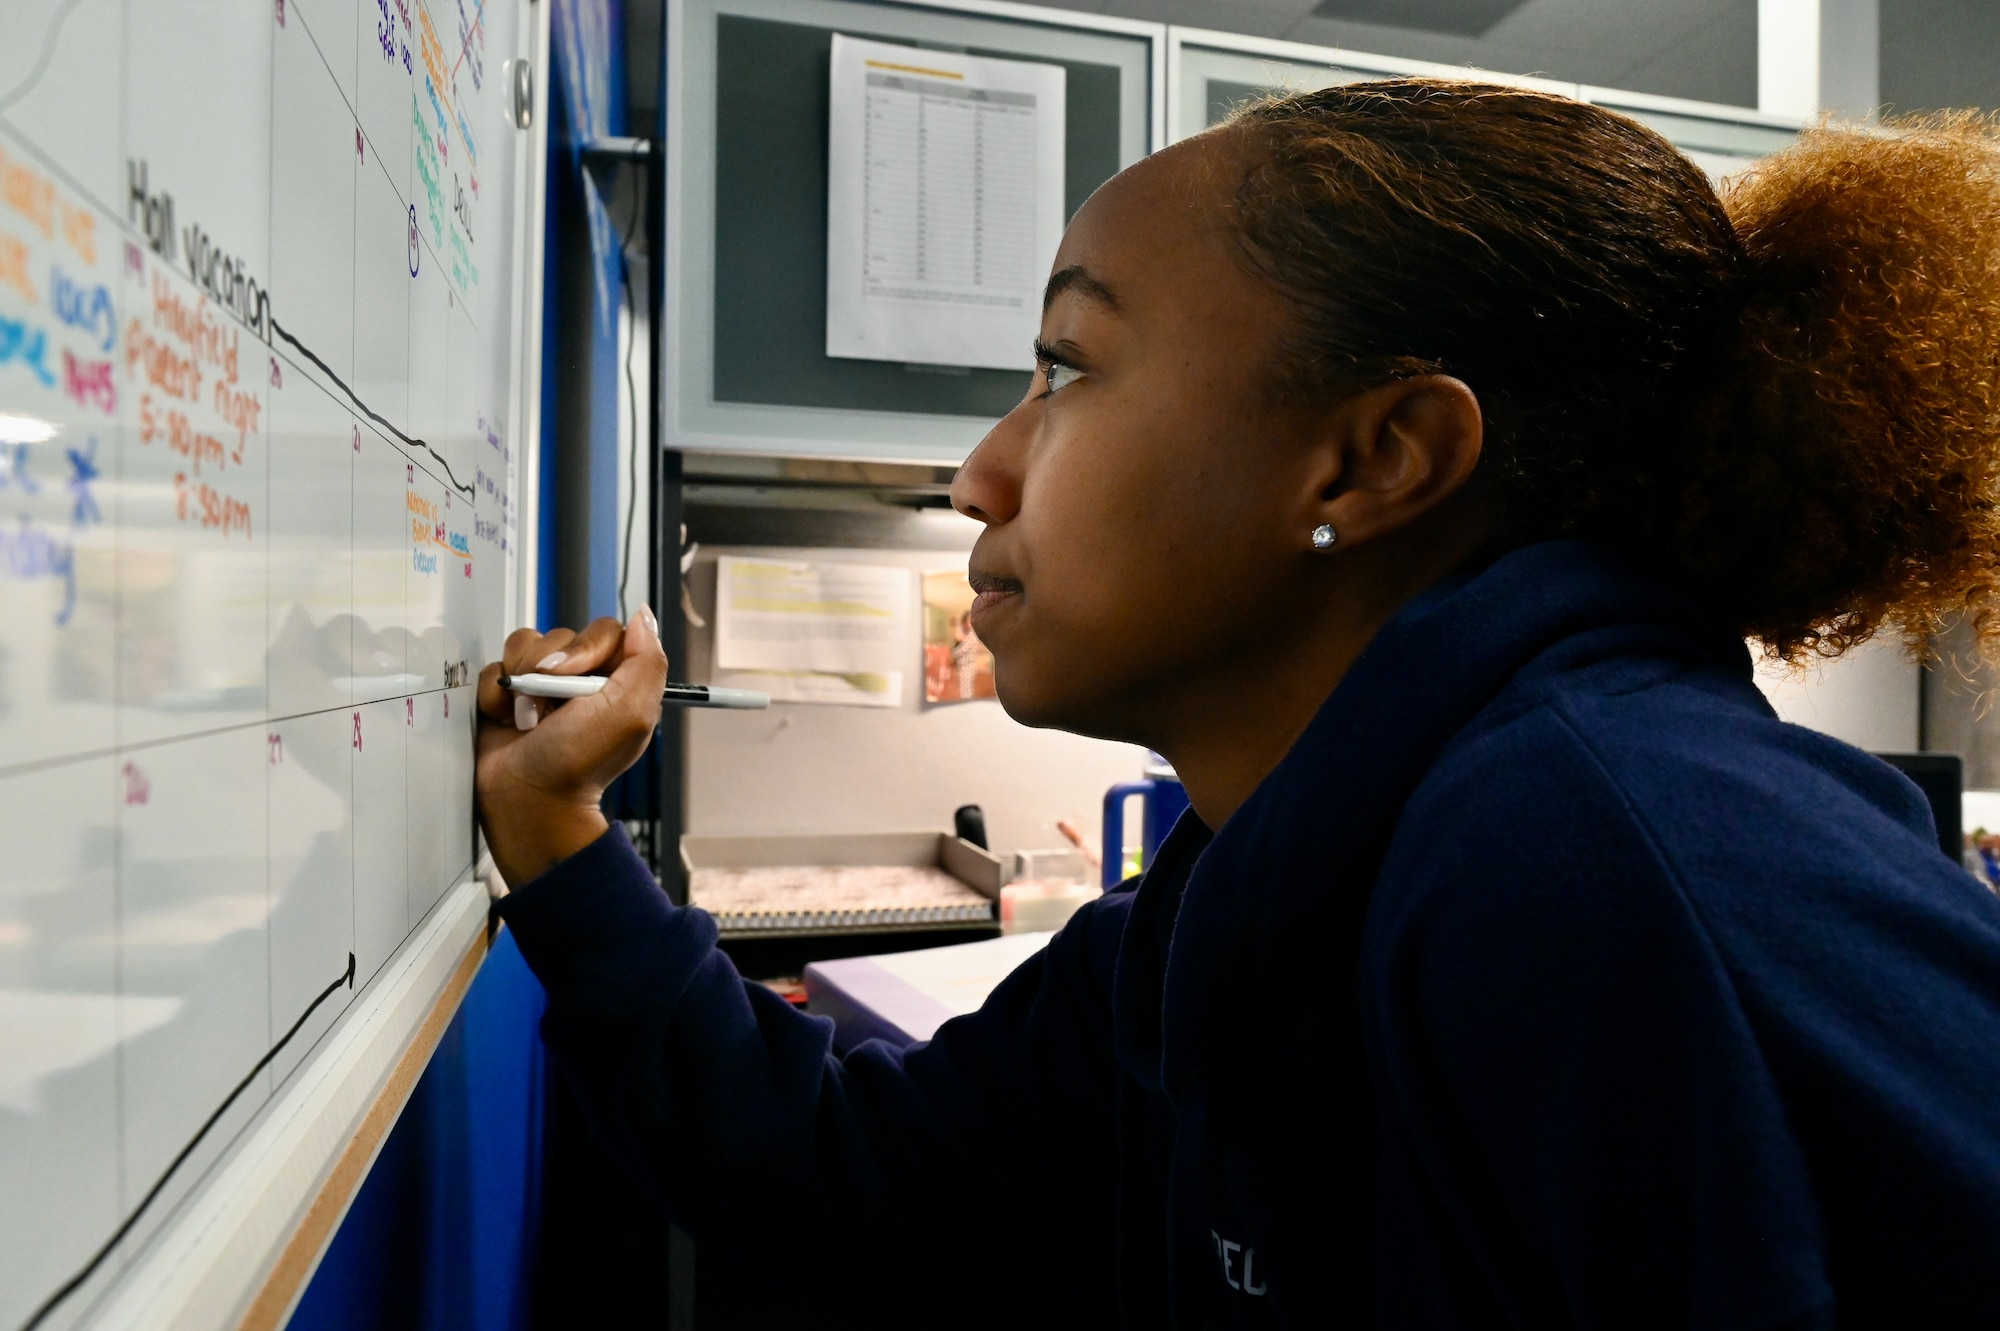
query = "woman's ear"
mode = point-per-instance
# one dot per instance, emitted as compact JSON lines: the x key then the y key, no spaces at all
{"x":1394,"y":452}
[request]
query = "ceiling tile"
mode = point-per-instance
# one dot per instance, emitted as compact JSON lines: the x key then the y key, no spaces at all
{"x":1253,"y":18}
{"x":1714,"y":61}
{"x":1679,"y":48}
{"x":1467,"y":18}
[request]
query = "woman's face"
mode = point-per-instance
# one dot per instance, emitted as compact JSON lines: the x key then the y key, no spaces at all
{"x":1147,"y":508}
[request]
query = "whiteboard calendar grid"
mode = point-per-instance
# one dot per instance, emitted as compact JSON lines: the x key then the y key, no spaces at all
{"x":258,"y":471}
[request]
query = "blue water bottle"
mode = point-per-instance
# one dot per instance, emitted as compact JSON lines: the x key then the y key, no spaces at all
{"x":1165,"y":798}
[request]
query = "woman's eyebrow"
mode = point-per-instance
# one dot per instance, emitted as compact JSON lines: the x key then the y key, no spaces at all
{"x":1077,"y":278}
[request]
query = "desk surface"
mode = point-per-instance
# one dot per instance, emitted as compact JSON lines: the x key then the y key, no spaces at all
{"x":903,"y":997}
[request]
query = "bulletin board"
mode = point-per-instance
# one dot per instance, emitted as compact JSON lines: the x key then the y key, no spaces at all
{"x":266,"y":410}
{"x":744,"y":364}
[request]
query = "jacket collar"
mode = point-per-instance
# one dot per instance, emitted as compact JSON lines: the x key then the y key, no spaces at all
{"x":1224,"y":926}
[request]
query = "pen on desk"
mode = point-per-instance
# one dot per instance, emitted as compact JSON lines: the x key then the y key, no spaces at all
{"x":675,"y":695}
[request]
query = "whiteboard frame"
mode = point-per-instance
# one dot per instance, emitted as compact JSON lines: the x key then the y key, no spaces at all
{"x":525,"y":340}
{"x":855,"y":435}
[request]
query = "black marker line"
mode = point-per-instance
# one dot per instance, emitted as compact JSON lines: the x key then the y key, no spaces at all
{"x":74,"y":1282}
{"x":27,"y":85}
{"x":369,"y":411}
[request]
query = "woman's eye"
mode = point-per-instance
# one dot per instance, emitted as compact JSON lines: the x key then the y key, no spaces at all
{"x":1061,"y":376}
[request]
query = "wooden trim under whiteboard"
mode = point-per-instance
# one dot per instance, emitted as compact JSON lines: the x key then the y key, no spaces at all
{"x":272,"y":1307}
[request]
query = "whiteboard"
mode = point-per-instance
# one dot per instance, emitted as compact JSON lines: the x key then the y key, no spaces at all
{"x":266,"y":411}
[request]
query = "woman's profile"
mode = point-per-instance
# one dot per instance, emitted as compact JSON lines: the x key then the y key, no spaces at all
{"x":1408,"y":463}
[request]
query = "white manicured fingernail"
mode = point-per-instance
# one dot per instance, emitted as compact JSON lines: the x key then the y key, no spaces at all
{"x":525,"y":715}
{"x":552,"y":660}
{"x":652,"y":624}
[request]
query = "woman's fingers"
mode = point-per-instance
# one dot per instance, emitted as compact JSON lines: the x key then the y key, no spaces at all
{"x":562,"y":651}
{"x":604,"y":643}
{"x":598,"y":737}
{"x":594,"y":648}
{"x":522,"y":646}
{"x":529,"y":652}
{"x":539,"y":793}
{"x":635,"y":686}
{"x":494,"y":701}
{"x":504,"y":705}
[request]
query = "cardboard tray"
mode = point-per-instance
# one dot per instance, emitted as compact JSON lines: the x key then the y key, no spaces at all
{"x":978,"y":870}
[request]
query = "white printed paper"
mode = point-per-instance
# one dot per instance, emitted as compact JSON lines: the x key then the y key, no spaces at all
{"x":944,"y":204}
{"x":839,"y":619}
{"x":864,"y":688}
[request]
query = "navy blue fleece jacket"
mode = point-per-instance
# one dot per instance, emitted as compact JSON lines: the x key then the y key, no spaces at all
{"x":1550,"y":981}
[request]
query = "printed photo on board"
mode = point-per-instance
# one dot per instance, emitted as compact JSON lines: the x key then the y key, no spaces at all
{"x":957,"y":666}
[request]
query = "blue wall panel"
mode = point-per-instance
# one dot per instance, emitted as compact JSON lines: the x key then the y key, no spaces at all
{"x":442,"y":1235}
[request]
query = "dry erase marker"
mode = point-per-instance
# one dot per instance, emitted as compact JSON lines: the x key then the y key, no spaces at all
{"x":675,"y":695}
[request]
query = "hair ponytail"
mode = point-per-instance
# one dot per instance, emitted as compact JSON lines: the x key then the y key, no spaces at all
{"x":1789,"y":396}
{"x":1864,"y":391}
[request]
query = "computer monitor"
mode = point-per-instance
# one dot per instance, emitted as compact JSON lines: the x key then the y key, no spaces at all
{"x":1941,"y":776}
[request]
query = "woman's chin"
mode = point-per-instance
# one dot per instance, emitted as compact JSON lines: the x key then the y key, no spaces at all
{"x":1024,"y":696}
{"x":1044,"y":702}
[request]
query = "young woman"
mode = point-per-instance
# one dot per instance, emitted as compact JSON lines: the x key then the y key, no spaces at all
{"x":1407,"y":462}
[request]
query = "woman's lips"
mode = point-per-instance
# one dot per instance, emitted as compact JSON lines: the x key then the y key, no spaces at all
{"x":991,"y":592}
{"x":986,"y":601}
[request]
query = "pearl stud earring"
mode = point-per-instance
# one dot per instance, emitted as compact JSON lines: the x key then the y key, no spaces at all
{"x":1324,"y":537}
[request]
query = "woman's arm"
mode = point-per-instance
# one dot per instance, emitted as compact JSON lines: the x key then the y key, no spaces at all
{"x":895,"y":1180}
{"x":902,"y":1181}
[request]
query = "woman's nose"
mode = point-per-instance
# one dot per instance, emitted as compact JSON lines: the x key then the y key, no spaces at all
{"x":988,"y":485}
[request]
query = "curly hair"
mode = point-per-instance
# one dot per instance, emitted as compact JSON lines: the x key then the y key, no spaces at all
{"x":1788,"y":395}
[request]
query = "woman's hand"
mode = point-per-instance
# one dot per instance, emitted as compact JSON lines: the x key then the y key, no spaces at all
{"x":544,"y":763}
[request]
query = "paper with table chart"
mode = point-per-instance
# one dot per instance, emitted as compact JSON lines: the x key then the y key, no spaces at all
{"x":944,"y":204}
{"x":257,"y":516}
